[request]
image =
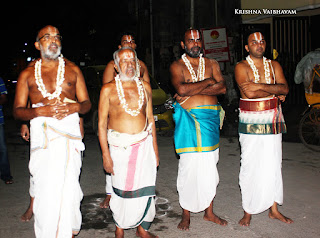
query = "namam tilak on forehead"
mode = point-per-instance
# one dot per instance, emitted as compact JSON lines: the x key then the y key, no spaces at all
{"x":128,"y":38}
{"x":196,"y":35}
{"x":258,"y":37}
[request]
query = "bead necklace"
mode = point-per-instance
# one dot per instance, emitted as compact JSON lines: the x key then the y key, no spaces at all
{"x":123,"y":100}
{"x":256,"y":72}
{"x":59,"y":80}
{"x":200,"y":71}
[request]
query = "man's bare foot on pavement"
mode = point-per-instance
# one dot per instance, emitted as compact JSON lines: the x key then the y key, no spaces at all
{"x":29,"y":212}
{"x":245,"y":220}
{"x":185,"y":221}
{"x":27,"y":215}
{"x":105,"y":202}
{"x":119,"y":233}
{"x":143,"y":233}
{"x":275,"y":214}
{"x":214,"y":218}
{"x":210,"y":216}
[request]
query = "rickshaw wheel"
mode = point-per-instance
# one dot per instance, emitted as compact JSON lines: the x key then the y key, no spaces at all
{"x":309,"y":129}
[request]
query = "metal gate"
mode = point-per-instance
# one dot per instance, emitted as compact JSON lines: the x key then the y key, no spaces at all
{"x":292,"y":40}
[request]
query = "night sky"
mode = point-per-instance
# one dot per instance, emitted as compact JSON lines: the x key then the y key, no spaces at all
{"x":88,"y":27}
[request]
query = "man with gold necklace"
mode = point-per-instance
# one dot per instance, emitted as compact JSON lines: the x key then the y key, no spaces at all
{"x":197,"y":128}
{"x":57,"y":92}
{"x":127,"y":125}
{"x":262,"y":86}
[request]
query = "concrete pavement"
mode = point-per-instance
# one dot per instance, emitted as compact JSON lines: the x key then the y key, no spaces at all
{"x":301,"y":176}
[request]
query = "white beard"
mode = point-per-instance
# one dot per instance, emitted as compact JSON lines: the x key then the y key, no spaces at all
{"x":124,"y":77}
{"x":47,"y":53}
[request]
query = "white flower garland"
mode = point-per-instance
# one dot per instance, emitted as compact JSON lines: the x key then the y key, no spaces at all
{"x":123,"y":100}
{"x":138,"y":68}
{"x":201,"y":68}
{"x":59,"y":80}
{"x":256,"y":72}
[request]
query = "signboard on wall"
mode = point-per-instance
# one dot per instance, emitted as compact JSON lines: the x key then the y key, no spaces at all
{"x":215,"y":44}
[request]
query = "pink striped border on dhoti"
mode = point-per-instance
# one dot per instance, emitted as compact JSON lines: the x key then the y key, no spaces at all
{"x":132,"y":167}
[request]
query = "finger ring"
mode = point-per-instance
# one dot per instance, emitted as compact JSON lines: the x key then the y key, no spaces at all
{"x":56,"y":111}
{"x":23,"y":136}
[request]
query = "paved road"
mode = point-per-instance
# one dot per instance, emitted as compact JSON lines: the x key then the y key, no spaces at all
{"x":301,"y":174}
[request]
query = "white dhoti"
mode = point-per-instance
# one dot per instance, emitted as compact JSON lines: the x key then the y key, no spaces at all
{"x":55,"y":164}
{"x":260,"y":176}
{"x":261,"y":125}
{"x":197,"y":180}
{"x":134,"y":164}
{"x":31,"y":189}
{"x":108,"y":184}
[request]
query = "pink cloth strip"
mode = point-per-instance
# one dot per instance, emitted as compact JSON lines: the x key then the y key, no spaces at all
{"x":132,"y":167}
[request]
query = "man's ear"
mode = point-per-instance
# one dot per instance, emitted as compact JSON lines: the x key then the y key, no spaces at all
{"x":182,"y":44}
{"x":37,"y":45}
{"x":119,"y":47}
{"x":247,"y":48}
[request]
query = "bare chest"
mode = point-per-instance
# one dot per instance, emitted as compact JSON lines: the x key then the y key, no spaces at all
{"x":194,"y":71}
{"x":131,"y":99}
{"x":50,"y":81}
{"x":261,"y":74}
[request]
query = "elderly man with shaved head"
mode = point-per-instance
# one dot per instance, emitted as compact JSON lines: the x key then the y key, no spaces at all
{"x":57,"y":92}
{"x":127,"y":125}
{"x":127,"y":40}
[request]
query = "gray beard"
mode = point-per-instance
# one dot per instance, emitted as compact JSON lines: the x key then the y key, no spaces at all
{"x":124,"y":77}
{"x":48,"y":54}
{"x":191,"y":53}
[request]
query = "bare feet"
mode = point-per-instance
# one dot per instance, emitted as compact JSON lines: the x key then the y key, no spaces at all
{"x":275,"y":214}
{"x":245,"y":221}
{"x":27,"y":215}
{"x":105,"y":202}
{"x":210,"y":216}
{"x":119,"y":233}
{"x":185,"y":221}
{"x":279,"y":216}
{"x":214,"y":218}
{"x":143,"y":233}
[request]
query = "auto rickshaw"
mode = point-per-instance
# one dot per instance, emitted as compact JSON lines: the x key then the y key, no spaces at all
{"x":309,"y":126}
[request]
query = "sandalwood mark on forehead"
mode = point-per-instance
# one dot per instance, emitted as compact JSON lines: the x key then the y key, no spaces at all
{"x":196,"y":35}
{"x":128,"y":38}
{"x":258,"y":37}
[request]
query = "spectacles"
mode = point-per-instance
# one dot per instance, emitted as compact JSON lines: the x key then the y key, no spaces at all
{"x":48,"y":37}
